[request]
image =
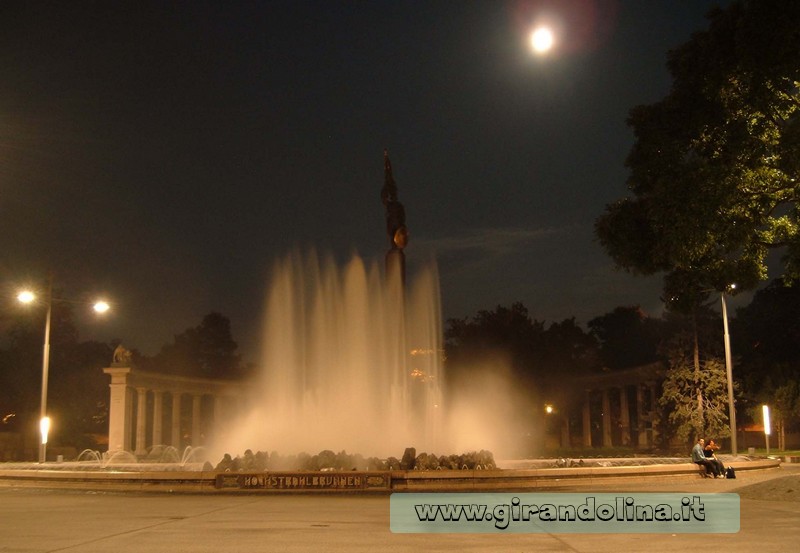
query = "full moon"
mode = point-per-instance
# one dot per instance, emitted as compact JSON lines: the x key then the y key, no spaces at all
{"x":542,"y":39}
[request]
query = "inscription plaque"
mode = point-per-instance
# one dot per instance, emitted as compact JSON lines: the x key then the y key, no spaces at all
{"x":305,"y":481}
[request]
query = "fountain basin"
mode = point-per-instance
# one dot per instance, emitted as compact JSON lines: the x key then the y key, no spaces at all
{"x":144,"y":479}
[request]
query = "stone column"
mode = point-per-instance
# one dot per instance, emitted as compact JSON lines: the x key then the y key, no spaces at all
{"x":196,"y":402}
{"x":641,"y":426}
{"x":218,"y":416}
{"x":566,"y":442}
{"x":587,"y":420}
{"x":141,"y":421}
{"x":128,"y":419}
{"x":652,"y":387}
{"x":158,"y":417}
{"x":606,"y":419}
{"x":117,"y":408}
{"x":219,"y":408}
{"x":624,"y":416}
{"x":176,"y":420}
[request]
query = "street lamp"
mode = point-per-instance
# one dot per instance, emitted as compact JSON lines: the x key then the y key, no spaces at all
{"x":729,"y":370}
{"x":26,"y":296}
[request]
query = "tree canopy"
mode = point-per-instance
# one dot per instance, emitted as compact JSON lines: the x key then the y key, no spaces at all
{"x":715,"y":168}
{"x":536,"y":354}
{"x":766,"y":334}
{"x":207,"y":350}
{"x":627,"y":337}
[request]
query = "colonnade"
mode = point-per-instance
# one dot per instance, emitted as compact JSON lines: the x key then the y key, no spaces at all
{"x":148,"y":409}
{"x":612,"y":409}
{"x":619,"y":424}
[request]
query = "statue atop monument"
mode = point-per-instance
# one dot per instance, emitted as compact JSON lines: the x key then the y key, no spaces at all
{"x":395,"y":212}
{"x":122,"y":357}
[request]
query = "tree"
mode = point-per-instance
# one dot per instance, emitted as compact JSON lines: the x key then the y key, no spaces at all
{"x":688,"y":381}
{"x":537,"y":359}
{"x":766,"y":334}
{"x":80,"y":392}
{"x":504,"y":332}
{"x":627,"y":337}
{"x":715,"y":168}
{"x":207,"y":350}
{"x":568,"y":349}
{"x":786,"y":409}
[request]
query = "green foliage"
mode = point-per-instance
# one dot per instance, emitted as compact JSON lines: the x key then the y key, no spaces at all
{"x":627,"y":337}
{"x":765,"y":338}
{"x":714,"y":170}
{"x":534,"y":353}
{"x":786,"y":405}
{"x":207,"y":350}
{"x":694,"y":397}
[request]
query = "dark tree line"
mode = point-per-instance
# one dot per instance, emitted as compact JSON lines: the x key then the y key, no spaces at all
{"x":78,"y":390}
{"x":545,"y":359}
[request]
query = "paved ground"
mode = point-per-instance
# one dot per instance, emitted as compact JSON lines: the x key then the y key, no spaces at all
{"x":34,"y":521}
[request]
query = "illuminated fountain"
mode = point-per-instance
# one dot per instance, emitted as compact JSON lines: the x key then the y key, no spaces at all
{"x":347,"y":364}
{"x":351,"y":356}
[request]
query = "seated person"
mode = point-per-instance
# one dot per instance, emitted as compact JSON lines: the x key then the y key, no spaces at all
{"x":699,"y":458}
{"x":708,"y":450}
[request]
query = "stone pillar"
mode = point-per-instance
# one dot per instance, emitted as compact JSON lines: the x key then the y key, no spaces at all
{"x":117,"y":407}
{"x":218,"y":417}
{"x":641,"y":416}
{"x":196,"y":438}
{"x":652,"y":388}
{"x":587,"y":420}
{"x":624,"y":416}
{"x":129,"y":419}
{"x":219,"y":408}
{"x":566,"y":442}
{"x":176,"y":420}
{"x":158,"y":417}
{"x":606,"y":419}
{"x":141,"y":421}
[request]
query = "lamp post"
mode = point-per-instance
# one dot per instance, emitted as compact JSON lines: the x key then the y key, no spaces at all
{"x":767,"y":429}
{"x":26,"y":296}
{"x":729,"y":371}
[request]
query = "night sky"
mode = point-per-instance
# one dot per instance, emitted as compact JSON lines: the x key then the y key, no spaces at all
{"x":166,"y":154}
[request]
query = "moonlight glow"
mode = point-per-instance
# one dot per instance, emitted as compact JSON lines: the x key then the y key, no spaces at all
{"x":542,"y":39}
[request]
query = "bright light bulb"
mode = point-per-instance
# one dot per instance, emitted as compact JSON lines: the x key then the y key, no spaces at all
{"x":44,"y":428}
{"x":101,"y":307}
{"x":26,"y":296}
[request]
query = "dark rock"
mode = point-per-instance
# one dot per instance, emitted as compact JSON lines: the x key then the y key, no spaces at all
{"x":409,"y":459}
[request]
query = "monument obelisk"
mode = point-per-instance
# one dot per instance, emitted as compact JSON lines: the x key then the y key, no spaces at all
{"x":396,"y":228}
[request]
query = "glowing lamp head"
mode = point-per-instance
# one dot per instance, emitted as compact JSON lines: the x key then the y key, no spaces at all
{"x":44,"y":427}
{"x":101,"y":306}
{"x":548,"y":409}
{"x":26,"y":296}
{"x":542,"y":39}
